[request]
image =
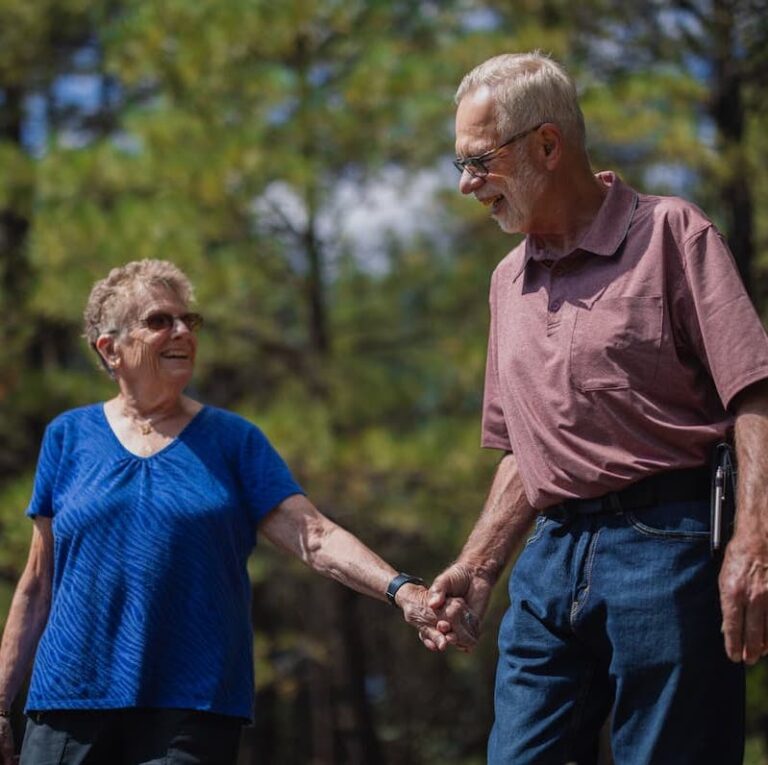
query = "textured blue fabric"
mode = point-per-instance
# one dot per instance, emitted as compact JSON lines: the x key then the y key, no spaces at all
{"x":151,"y":596}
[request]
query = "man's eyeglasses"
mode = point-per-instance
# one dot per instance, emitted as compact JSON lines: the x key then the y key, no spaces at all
{"x":162,"y":322}
{"x":477,"y":166}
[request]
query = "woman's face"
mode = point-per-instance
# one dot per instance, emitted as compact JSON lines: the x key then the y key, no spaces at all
{"x":158,"y":344}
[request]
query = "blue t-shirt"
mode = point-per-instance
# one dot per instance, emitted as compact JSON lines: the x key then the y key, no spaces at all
{"x":151,"y":596}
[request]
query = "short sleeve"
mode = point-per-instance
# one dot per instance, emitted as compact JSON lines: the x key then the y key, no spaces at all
{"x":494,"y":429}
{"x":724,"y":328}
{"x":47,"y":469}
{"x":267,"y":480}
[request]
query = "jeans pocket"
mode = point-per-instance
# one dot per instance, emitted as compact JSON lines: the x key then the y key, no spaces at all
{"x":673,"y":520}
{"x":537,"y":529}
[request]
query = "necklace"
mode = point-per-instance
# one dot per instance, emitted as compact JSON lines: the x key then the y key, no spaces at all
{"x":147,"y":426}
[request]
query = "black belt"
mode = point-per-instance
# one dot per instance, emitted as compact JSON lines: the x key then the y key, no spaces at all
{"x":672,"y":486}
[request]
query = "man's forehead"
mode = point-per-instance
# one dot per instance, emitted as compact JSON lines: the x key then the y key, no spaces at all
{"x":476,"y":122}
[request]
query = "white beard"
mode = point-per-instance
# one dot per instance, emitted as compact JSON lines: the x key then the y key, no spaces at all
{"x":521,"y":191}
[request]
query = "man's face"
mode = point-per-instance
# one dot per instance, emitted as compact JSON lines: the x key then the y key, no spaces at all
{"x":512,"y":186}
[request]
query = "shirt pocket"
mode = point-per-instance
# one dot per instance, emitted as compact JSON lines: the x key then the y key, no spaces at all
{"x":616,"y":343}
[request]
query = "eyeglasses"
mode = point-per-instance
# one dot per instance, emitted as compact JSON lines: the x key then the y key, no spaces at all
{"x":162,"y":322}
{"x":477,"y":166}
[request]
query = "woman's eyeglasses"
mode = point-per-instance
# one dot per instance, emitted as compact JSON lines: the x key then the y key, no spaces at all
{"x":162,"y":322}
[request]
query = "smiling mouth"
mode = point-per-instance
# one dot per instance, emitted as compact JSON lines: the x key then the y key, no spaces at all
{"x":492,"y":201}
{"x":174,"y":355}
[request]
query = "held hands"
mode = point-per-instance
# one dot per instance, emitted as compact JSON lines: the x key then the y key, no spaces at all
{"x":453,"y":609}
{"x":460,"y":597}
{"x":452,"y":624}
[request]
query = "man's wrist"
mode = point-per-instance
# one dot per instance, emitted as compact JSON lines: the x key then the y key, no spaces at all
{"x":487,"y":569}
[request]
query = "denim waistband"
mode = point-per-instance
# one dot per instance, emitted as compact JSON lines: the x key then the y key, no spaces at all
{"x":671,"y":486}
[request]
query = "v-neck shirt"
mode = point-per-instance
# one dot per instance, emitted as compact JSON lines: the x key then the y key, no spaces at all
{"x":151,"y":595}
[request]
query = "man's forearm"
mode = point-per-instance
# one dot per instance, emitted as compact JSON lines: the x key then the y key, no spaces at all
{"x":752,"y":458}
{"x":744,"y":573}
{"x":506,"y":518}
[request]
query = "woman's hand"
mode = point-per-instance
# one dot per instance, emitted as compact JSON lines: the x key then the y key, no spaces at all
{"x":7,"y":756}
{"x":453,"y":624}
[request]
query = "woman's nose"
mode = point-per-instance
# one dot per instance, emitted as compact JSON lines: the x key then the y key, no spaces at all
{"x":179,"y":326}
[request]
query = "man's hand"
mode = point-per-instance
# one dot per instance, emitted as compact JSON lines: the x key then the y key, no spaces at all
{"x":462,"y":584}
{"x":7,"y":756}
{"x":744,"y":574}
{"x":501,"y":527}
{"x":458,"y":624}
{"x":744,"y":597}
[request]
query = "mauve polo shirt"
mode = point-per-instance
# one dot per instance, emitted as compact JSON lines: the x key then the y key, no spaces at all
{"x":619,"y":360}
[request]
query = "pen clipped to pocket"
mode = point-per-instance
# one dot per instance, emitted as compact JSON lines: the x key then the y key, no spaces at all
{"x":723,"y":497}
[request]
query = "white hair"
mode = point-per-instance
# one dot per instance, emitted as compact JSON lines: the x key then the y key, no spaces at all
{"x":528,"y":89}
{"x":115,"y":298}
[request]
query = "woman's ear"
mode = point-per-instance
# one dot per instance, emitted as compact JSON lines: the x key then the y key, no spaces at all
{"x":106,"y":348}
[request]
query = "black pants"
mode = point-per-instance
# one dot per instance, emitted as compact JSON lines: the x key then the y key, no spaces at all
{"x":130,"y":737}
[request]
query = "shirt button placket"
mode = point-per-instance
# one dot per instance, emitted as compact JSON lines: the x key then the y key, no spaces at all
{"x":553,"y":316}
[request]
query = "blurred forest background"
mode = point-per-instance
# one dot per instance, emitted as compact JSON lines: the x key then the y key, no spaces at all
{"x":293,"y":157}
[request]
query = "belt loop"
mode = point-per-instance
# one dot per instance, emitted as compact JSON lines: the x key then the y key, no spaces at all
{"x":613,"y":502}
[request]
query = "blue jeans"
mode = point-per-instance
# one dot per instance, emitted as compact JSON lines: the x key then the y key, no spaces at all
{"x":617,"y":616}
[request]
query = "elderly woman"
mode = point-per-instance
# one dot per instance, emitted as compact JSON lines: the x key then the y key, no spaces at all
{"x":146,"y":507}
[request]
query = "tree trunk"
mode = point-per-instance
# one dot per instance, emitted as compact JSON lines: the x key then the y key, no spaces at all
{"x":727,"y":110}
{"x":362,"y":745}
{"x":13,"y":223}
{"x":318,"y":316}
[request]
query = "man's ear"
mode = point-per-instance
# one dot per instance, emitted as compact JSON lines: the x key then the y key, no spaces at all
{"x":551,"y":143}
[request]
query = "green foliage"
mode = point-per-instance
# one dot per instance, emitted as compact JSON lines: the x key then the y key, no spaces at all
{"x":225,"y":134}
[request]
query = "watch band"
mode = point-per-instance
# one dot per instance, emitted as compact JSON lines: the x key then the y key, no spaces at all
{"x":398,"y":582}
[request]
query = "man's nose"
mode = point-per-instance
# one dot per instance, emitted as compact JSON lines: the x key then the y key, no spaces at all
{"x":469,"y":183}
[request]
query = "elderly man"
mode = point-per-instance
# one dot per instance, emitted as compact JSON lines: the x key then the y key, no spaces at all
{"x":622,"y":349}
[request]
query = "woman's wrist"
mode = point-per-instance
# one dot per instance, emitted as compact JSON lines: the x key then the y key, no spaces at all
{"x":408,"y":592}
{"x":400,"y":582}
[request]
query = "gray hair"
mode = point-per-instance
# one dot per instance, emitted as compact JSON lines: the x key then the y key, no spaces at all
{"x":528,"y":89}
{"x":113,"y":299}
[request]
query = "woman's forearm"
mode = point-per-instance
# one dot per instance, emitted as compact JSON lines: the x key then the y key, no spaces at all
{"x":341,"y":556}
{"x":26,"y":621}
{"x":28,"y":614}
{"x":300,"y":529}
{"x":297,"y":527}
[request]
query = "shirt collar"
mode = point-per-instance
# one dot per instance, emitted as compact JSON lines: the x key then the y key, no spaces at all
{"x":608,"y":230}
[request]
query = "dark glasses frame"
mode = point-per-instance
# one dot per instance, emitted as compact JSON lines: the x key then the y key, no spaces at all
{"x":162,"y":321}
{"x":476,"y":166}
